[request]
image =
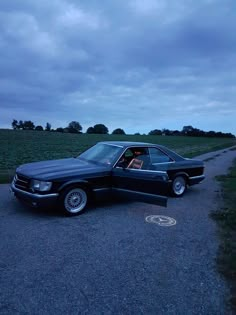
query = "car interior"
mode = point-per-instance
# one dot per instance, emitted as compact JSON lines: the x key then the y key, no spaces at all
{"x":142,"y":158}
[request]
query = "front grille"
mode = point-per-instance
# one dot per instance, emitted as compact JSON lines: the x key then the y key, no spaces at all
{"x":22,"y":182}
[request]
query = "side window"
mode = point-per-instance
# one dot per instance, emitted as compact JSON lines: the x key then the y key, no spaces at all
{"x":128,"y":154}
{"x":125,"y":159}
{"x":141,"y":159}
{"x":135,"y":158}
{"x":157,"y":156}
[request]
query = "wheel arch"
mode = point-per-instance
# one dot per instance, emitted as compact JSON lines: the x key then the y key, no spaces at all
{"x":76,"y":183}
{"x":180,"y":173}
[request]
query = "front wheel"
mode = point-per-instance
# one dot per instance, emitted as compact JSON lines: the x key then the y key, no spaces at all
{"x":178,"y":186}
{"x":74,"y":200}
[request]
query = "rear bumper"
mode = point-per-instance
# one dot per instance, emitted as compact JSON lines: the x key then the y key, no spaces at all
{"x":195,"y":180}
{"x":34,"y":199}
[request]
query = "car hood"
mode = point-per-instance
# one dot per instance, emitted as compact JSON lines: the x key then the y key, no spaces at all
{"x":48,"y":170}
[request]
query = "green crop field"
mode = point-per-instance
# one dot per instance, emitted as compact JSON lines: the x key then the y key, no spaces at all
{"x":18,"y":146}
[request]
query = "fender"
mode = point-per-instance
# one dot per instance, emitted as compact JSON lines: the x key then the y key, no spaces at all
{"x":75,"y":182}
{"x":179,"y":174}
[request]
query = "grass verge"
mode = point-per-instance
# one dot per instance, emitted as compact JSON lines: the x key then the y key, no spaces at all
{"x":226,"y":219}
{"x":6,"y":176}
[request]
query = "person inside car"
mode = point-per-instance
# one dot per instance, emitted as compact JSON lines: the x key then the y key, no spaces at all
{"x":141,"y":159}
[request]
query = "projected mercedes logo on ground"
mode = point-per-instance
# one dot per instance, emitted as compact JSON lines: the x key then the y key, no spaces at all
{"x":161,"y":220}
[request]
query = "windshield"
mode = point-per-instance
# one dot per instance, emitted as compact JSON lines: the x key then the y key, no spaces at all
{"x":101,"y":153}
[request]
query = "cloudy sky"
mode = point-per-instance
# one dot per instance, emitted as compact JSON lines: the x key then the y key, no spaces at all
{"x":132,"y":64}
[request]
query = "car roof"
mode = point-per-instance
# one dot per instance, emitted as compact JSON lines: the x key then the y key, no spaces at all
{"x":130,"y":143}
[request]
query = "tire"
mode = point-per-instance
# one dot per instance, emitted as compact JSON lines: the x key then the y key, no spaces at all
{"x":178,"y":186}
{"x":73,"y":201}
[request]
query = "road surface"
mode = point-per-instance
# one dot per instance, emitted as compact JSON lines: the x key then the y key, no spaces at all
{"x":115,"y":258}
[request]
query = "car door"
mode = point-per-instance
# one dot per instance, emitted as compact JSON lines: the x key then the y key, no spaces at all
{"x":140,"y":183}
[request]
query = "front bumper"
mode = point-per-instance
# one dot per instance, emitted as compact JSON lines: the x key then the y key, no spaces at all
{"x":34,"y":199}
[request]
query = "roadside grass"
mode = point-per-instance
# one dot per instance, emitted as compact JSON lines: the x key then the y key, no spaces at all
{"x":6,"y":176}
{"x":19,"y":146}
{"x":226,"y":219}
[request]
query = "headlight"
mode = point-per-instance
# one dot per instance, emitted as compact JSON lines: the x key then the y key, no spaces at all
{"x":40,"y":185}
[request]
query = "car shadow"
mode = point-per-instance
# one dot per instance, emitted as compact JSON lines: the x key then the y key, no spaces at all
{"x":25,"y":209}
{"x":55,"y":212}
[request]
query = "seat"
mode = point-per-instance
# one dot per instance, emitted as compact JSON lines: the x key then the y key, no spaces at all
{"x":135,"y":163}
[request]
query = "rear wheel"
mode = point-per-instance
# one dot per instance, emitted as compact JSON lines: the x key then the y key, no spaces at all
{"x":179,"y":186}
{"x":74,"y":200}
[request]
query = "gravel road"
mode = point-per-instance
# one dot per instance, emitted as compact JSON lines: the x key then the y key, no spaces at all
{"x":110,"y":260}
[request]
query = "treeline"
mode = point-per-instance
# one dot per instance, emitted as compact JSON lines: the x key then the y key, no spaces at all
{"x":75,"y":127}
{"x":191,"y":132}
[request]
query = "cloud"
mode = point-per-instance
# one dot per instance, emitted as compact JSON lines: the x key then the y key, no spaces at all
{"x":137,"y":65}
{"x":74,"y":17}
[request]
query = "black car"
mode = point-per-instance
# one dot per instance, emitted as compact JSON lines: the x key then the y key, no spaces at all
{"x":139,"y":171}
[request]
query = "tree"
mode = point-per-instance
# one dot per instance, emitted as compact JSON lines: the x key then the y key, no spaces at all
{"x":100,"y":129}
{"x":193,"y":132}
{"x":48,"y":126}
{"x":187,"y":130}
{"x":176,"y":133}
{"x":155,"y":132}
{"x":118,"y":131}
{"x":74,"y":127}
{"x":25,"y":125}
{"x":211,"y":134}
{"x":28,"y":125}
{"x":166,"y":132}
{"x":15,"y":124}
{"x":60,"y":129}
{"x":20,"y":125}
{"x":90,"y":130}
{"x":39,"y":128}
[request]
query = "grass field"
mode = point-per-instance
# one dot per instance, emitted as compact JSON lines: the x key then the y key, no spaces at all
{"x":226,"y":217}
{"x":20,"y":146}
